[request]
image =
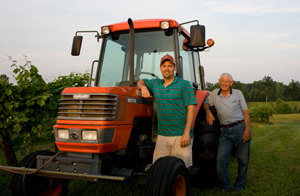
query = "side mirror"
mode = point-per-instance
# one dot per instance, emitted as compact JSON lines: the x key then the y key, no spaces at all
{"x":195,"y":85}
{"x":197,"y":36}
{"x":77,"y":40}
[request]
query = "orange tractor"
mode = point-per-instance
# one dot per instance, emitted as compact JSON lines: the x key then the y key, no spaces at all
{"x":107,"y":131}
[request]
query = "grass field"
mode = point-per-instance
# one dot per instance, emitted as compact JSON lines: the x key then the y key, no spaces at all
{"x":274,"y":167}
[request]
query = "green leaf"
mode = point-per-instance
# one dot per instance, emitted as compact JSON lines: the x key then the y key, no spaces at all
{"x":35,"y":98}
{"x":17,"y":128}
{"x":29,"y":103}
{"x":40,"y":102}
{"x":24,"y":119}
{"x":34,"y":130}
{"x":16,"y":105}
{"x":8,"y":92}
{"x":8,"y":105}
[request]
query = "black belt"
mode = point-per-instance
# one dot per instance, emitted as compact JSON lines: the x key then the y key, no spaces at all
{"x":233,"y":124}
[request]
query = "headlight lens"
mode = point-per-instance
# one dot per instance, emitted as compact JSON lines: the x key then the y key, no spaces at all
{"x":165,"y":25}
{"x":105,"y":30}
{"x":89,"y":135}
{"x":63,"y":134}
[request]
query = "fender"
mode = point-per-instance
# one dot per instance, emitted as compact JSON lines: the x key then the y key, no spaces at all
{"x":200,"y":97}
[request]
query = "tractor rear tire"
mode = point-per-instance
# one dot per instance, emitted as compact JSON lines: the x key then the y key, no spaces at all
{"x":167,"y":176}
{"x":205,"y":149}
{"x":37,"y":186}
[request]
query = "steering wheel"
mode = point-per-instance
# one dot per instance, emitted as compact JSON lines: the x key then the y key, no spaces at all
{"x":137,"y":76}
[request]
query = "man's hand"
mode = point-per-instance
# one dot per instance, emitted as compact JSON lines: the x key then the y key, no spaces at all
{"x":246,"y":135}
{"x":209,"y":117}
{"x":145,"y":92}
{"x":185,"y":139}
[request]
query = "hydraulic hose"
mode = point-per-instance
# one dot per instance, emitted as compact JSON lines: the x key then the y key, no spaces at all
{"x":30,"y":173}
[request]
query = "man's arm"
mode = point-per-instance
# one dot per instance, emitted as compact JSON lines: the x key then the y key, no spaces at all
{"x":209,"y":116}
{"x":185,"y":139}
{"x":144,"y":90}
{"x":246,"y":134}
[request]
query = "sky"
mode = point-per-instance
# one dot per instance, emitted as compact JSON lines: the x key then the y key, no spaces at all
{"x":253,"y":38}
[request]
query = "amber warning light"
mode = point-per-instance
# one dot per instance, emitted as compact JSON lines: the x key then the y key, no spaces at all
{"x":210,"y":42}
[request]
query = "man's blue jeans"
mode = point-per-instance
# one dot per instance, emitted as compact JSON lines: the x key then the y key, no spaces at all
{"x":231,"y":139}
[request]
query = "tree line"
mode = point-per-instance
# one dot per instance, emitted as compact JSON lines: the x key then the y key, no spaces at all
{"x":264,"y":90}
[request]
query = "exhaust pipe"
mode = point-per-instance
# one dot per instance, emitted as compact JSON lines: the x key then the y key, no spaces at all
{"x":131,"y":52}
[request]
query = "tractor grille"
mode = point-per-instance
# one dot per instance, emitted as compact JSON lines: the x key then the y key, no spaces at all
{"x":86,"y":106}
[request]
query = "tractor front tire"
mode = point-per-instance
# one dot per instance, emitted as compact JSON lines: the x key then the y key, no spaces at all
{"x":30,"y":185}
{"x":167,"y":176}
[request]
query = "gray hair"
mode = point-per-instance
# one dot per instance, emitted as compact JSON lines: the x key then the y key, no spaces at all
{"x":226,"y":75}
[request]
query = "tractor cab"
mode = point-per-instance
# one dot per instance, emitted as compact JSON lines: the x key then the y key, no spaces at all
{"x":152,"y":39}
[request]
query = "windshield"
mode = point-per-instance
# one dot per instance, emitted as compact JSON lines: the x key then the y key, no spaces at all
{"x":149,"y":48}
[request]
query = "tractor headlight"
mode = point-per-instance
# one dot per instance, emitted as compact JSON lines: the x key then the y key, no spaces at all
{"x":63,"y":134}
{"x":89,"y":135}
{"x":105,"y":30}
{"x":165,"y":25}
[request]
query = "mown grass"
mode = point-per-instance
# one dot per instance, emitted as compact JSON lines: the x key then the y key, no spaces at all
{"x":274,"y":167}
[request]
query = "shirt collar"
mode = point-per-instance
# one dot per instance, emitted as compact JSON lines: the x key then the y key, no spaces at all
{"x":174,"y":81}
{"x":221,"y":91}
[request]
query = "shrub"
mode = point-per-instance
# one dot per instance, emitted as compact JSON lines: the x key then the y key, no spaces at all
{"x":282,"y":107}
{"x":296,"y":109}
{"x":261,"y":112}
{"x":28,"y":109}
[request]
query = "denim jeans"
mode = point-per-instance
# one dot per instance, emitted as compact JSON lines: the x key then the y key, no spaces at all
{"x":231,"y":139}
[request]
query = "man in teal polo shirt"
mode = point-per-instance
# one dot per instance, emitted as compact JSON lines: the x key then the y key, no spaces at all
{"x":175,"y":102}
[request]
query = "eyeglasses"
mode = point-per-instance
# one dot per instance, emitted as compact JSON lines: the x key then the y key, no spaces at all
{"x":225,"y":82}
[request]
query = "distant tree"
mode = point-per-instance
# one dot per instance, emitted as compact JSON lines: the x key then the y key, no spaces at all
{"x":267,"y":82}
{"x":294,"y":91}
{"x":265,"y":90}
{"x":208,"y":85}
{"x":256,"y":91}
{"x":211,"y":86}
{"x":242,"y":87}
{"x":4,"y":77}
{"x":280,"y":91}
